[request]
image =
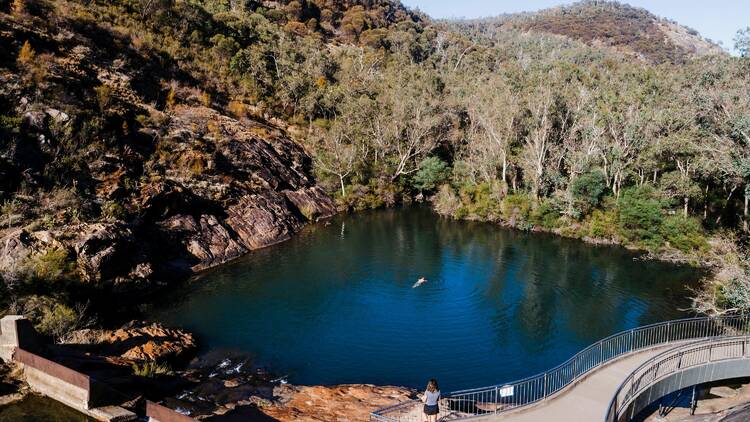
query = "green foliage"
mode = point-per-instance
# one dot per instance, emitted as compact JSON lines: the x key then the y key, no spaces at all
{"x":103,"y":97}
{"x":480,"y":202}
{"x":640,"y":217}
{"x":10,"y":123}
{"x":57,"y":321}
{"x":685,"y":234}
{"x":51,"y":316}
{"x":742,"y":42}
{"x":446,"y":202}
{"x":603,"y":224}
{"x":113,"y":210}
{"x":151,"y":369}
{"x":50,"y":265}
{"x":546,"y":215}
{"x":432,"y":172}
{"x":11,"y":212}
{"x":588,"y":190}
{"x":517,"y":208}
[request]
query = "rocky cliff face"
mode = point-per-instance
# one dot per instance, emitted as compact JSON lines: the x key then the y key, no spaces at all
{"x":117,"y":168}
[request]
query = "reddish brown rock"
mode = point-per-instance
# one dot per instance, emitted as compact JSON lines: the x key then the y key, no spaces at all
{"x":312,"y":203}
{"x":207,"y":240}
{"x":139,"y":341}
{"x":337,"y":403}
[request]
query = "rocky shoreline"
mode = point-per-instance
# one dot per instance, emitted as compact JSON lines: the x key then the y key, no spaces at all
{"x":146,"y":360}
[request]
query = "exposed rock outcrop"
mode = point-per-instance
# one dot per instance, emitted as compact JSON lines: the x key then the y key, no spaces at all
{"x":103,"y":251}
{"x":136,"y":342}
{"x":336,"y":403}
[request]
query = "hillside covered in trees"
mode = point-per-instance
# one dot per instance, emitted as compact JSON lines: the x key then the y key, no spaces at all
{"x":628,"y":29}
{"x":143,"y":140}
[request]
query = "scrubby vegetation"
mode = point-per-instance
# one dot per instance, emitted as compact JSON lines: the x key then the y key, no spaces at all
{"x":527,"y":121}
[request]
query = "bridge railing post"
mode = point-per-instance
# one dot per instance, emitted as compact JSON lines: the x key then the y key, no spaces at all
{"x":545,"y":385}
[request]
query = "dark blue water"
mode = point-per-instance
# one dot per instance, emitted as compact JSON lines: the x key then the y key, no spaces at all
{"x":336,"y":303}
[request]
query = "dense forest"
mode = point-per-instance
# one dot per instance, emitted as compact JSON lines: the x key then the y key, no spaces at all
{"x":622,"y":132}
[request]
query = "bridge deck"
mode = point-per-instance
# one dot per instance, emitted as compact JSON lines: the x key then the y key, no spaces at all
{"x":589,"y":399}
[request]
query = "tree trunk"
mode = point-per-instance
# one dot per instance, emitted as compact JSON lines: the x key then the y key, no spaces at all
{"x":744,"y":218}
{"x":343,"y":189}
{"x":685,"y":211}
{"x":505,"y":169}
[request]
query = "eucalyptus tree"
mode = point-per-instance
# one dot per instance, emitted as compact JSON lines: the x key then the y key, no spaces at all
{"x":742,"y":42}
{"x":722,"y":96}
{"x":494,"y":113}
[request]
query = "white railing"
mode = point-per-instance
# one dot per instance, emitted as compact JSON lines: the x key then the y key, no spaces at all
{"x":513,"y":395}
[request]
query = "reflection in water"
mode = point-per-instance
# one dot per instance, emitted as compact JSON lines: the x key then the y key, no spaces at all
{"x":336,"y":304}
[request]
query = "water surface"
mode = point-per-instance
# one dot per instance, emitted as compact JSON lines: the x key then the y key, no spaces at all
{"x":33,"y":408}
{"x":336,"y":304}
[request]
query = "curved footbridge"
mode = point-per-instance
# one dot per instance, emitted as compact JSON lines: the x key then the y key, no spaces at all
{"x":611,"y":380}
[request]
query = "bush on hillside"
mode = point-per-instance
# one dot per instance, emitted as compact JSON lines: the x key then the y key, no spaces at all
{"x":588,"y":190}
{"x":685,"y":234}
{"x":446,"y":202}
{"x":432,"y":172}
{"x":603,"y":224}
{"x":517,"y":208}
{"x":640,"y":217}
{"x":546,"y":215}
{"x":480,"y":202}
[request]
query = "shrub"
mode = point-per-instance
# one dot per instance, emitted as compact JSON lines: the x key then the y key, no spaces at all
{"x":588,"y":190}
{"x":151,"y":369}
{"x":446,"y":201}
{"x":517,"y":208}
{"x":112,"y":210}
{"x":51,"y":316}
{"x":545,"y":215}
{"x":641,"y":217}
{"x":432,"y":172}
{"x":735,"y":294}
{"x":26,"y":55}
{"x":11,"y":210}
{"x":103,"y":96}
{"x":481,"y":202}
{"x":10,"y":123}
{"x":18,"y":7}
{"x":57,"y":321}
{"x":237,"y":108}
{"x":603,"y":224}
{"x":685,"y":234}
{"x":50,"y":265}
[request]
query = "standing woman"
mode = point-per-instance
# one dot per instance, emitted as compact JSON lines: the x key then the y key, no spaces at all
{"x":431,"y":399}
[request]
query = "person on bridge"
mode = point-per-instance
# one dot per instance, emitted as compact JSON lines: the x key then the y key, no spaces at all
{"x":431,"y":398}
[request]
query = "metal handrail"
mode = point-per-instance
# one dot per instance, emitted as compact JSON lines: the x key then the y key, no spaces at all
{"x":500,"y":398}
{"x":673,"y":361}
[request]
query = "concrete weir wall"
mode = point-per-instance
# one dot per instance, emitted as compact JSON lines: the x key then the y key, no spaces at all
{"x":158,"y":413}
{"x":16,"y":332}
{"x":56,"y":381}
{"x":19,"y":340}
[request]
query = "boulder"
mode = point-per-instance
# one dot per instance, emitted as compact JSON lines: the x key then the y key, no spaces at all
{"x":104,"y":250}
{"x":15,"y":247}
{"x":333,"y":403}
{"x":140,"y":341}
{"x":207,"y":240}
{"x":34,"y":120}
{"x":312,"y":203}
{"x":262,"y":219}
